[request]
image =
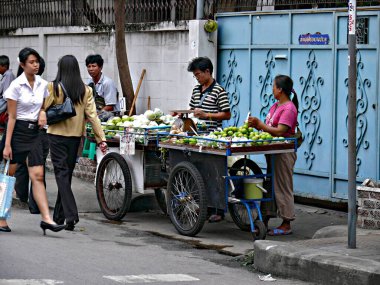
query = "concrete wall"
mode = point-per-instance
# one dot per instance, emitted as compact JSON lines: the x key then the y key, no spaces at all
{"x":163,"y":50}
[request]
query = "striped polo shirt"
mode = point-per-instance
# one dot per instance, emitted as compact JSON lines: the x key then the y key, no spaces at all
{"x":215,"y":101}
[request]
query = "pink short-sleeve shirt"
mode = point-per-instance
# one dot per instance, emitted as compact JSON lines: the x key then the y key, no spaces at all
{"x":285,"y":114}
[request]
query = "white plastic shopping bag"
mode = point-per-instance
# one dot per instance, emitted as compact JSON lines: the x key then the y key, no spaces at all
{"x":7,"y":184}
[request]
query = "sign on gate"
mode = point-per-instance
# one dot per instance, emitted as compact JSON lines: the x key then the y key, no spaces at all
{"x":314,"y":39}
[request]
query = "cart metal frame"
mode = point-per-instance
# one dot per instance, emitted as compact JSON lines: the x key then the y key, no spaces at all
{"x":208,"y":170}
{"x":213,"y":166}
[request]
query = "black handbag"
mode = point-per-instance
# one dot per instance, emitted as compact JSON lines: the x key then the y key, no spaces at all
{"x":60,"y":112}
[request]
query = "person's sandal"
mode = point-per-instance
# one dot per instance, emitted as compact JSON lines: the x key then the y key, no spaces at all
{"x":279,"y":232}
{"x":215,"y":218}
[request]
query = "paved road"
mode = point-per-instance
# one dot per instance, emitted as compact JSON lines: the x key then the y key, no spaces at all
{"x":100,"y":252}
{"x":224,"y":236}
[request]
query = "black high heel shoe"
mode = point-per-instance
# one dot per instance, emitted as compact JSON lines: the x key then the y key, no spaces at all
{"x":5,"y":229}
{"x":53,"y":227}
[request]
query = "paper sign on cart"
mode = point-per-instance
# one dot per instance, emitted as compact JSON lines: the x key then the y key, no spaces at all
{"x":127,"y":143}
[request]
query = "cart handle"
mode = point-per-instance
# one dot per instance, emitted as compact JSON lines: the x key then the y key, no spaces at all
{"x":262,"y":188}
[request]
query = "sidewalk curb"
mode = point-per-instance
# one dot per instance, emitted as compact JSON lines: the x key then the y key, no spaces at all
{"x":342,"y":231}
{"x":313,"y":265}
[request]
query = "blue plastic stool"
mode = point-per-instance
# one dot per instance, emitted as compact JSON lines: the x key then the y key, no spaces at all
{"x":89,"y":149}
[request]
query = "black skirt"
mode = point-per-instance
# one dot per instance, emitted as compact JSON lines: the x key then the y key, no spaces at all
{"x":24,"y":139}
{"x":38,"y":154}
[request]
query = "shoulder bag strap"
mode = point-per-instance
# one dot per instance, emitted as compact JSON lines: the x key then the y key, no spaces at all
{"x":202,"y":99}
{"x":64,"y":90}
{"x":206,"y":93}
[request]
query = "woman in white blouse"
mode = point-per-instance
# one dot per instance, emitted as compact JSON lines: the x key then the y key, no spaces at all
{"x":25,"y":97}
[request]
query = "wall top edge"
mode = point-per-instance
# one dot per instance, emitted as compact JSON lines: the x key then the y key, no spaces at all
{"x":297,"y":11}
{"x":145,"y":27}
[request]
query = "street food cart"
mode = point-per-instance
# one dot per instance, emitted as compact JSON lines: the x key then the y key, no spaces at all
{"x":190,"y":174}
{"x":199,"y":178}
{"x":121,"y":173}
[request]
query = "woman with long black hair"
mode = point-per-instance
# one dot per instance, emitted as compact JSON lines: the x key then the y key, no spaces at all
{"x":25,"y":97}
{"x":281,"y":121}
{"x":65,"y":136}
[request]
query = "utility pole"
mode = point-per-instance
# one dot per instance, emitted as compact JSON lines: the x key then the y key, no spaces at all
{"x":200,"y":7}
{"x":351,"y":125}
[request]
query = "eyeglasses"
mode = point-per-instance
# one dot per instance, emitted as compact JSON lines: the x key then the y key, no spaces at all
{"x":197,"y":74}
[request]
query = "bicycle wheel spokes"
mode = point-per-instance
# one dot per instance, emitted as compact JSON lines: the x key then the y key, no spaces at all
{"x":114,"y":186}
{"x":186,"y":199}
{"x":185,"y":207}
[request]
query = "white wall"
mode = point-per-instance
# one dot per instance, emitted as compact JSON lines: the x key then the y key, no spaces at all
{"x":164,"y":51}
{"x":165,"y":57}
{"x":11,"y":46}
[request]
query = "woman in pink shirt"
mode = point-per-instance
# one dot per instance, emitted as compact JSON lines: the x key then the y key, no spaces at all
{"x":281,"y":121}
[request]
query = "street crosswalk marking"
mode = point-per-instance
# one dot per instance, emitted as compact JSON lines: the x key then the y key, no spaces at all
{"x":150,"y":278}
{"x":29,"y":282}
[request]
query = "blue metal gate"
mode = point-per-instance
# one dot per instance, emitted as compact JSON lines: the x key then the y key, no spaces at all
{"x":311,"y":47}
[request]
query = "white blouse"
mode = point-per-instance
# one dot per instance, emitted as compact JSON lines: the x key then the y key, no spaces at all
{"x":29,"y":101}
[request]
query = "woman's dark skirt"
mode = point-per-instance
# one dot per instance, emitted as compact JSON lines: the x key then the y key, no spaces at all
{"x":24,"y":138}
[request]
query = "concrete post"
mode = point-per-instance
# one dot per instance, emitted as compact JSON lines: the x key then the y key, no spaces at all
{"x":42,"y":50}
{"x":202,"y":43}
{"x":200,"y":7}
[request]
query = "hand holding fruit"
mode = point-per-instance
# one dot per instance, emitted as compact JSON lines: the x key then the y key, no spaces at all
{"x":199,"y":113}
{"x":255,"y":122}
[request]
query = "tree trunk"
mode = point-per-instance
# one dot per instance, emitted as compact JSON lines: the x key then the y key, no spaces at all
{"x":121,"y":53}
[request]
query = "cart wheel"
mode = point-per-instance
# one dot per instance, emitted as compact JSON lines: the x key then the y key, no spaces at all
{"x":186,"y":199}
{"x":161,"y":199}
{"x":114,"y":186}
{"x":237,"y":210}
{"x":260,"y":230}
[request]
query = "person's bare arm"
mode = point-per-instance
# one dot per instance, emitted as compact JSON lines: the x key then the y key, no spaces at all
{"x":278,"y":131}
{"x":199,"y":113}
{"x":108,"y":108}
{"x":11,"y":109}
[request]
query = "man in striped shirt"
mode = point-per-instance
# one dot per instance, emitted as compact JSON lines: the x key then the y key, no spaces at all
{"x":210,"y":104}
{"x":209,"y":100}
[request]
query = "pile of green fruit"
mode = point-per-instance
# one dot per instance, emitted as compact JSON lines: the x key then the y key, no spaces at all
{"x":189,"y":141}
{"x":137,"y":124}
{"x":238,"y":136}
{"x":246,"y":133}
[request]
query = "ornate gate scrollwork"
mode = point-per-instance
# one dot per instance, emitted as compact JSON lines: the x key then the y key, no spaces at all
{"x":231,"y":84}
{"x":266,"y":93}
{"x":361,"y":109}
{"x":310,"y":104}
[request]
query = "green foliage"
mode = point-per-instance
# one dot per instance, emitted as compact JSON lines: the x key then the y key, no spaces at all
{"x":248,"y":259}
